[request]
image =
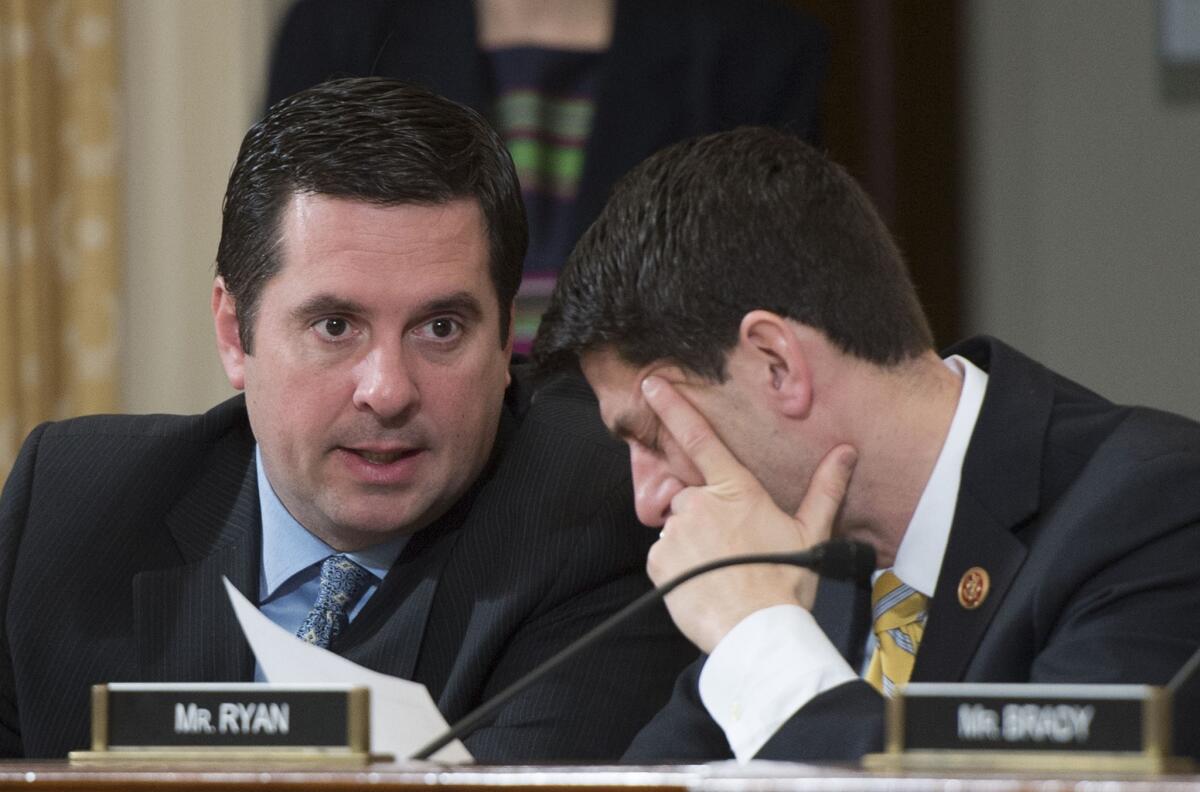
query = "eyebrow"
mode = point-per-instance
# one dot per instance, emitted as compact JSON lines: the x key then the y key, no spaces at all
{"x":326,"y":304}
{"x":459,"y":302}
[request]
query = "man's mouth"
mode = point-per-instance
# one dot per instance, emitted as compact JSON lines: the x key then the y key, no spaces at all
{"x":383,"y":457}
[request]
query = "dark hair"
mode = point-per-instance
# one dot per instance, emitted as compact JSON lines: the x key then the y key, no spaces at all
{"x":368,"y":139}
{"x":709,"y":229}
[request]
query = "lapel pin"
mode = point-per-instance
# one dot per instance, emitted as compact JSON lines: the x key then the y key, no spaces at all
{"x":973,"y":588}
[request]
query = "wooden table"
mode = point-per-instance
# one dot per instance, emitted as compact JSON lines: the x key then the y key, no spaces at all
{"x":760,"y":777}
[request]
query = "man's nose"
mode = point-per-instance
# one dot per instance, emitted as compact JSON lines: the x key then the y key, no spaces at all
{"x":384,"y":385}
{"x":653,"y":486}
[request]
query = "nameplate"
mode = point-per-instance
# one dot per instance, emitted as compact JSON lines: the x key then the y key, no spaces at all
{"x":223,"y":720}
{"x":1023,"y":725}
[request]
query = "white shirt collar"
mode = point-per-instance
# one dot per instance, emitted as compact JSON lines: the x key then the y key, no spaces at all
{"x":919,"y":557}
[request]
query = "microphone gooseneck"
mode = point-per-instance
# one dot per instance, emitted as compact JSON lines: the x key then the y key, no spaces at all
{"x":838,"y":559}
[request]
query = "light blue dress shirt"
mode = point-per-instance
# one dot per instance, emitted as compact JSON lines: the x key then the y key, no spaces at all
{"x":289,"y":576}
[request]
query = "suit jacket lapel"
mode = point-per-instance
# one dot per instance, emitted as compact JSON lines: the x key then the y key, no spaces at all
{"x":389,"y":635}
{"x":186,"y":629}
{"x":999,"y":492}
{"x":953,"y":632}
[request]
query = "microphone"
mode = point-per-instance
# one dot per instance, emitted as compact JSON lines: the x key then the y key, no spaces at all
{"x":838,"y":559}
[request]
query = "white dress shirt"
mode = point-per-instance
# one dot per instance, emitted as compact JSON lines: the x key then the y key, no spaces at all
{"x":778,"y":659}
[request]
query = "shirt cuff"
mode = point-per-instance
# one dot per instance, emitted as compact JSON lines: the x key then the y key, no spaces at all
{"x":766,"y":668}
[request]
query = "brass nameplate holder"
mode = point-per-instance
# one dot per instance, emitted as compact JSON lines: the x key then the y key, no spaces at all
{"x":259,"y":722}
{"x":1104,"y":728}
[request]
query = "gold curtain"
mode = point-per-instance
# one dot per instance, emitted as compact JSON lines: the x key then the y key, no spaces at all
{"x":59,"y":213}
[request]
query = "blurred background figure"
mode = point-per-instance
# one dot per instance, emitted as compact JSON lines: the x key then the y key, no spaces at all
{"x":581,"y":90}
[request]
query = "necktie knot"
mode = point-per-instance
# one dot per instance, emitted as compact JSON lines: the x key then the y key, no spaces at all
{"x":898,"y":613}
{"x":342,"y":584}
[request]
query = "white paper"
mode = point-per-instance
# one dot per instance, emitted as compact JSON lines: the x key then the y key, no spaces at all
{"x":403,"y":715}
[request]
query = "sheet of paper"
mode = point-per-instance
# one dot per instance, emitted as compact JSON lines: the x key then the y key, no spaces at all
{"x":403,"y":715}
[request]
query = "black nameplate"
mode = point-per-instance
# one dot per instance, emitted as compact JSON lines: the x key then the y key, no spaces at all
{"x":223,"y":716}
{"x":983,"y":717}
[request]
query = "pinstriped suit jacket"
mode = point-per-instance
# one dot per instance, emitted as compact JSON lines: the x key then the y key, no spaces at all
{"x":115,"y":532}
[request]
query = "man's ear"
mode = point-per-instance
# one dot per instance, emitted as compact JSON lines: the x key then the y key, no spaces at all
{"x":779,"y":361}
{"x":229,"y":343}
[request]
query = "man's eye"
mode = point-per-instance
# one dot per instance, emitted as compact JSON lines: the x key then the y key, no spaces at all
{"x":332,"y":328}
{"x":441,"y":328}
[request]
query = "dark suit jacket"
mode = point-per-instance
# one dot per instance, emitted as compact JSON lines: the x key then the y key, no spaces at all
{"x":115,"y":532}
{"x":1086,"y":516}
{"x":675,"y":69}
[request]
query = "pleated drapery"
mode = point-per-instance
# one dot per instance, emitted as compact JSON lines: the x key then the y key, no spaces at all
{"x":59,"y":213}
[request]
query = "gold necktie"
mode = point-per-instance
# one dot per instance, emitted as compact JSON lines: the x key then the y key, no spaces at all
{"x":898,"y":612}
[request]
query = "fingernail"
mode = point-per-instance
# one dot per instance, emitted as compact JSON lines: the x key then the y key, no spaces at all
{"x":650,"y":385}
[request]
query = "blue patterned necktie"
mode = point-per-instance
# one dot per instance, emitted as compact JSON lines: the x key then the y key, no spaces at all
{"x":342,"y":584}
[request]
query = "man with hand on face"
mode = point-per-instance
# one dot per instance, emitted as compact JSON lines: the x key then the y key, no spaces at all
{"x":385,"y":487}
{"x":752,"y":334}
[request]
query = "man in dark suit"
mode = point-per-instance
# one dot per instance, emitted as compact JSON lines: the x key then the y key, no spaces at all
{"x":386,"y":487}
{"x":752,"y":334}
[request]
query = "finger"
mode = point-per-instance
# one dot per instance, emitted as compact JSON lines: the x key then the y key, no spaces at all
{"x":692,"y":432}
{"x":657,"y":559}
{"x":827,"y":490}
{"x":653,"y":565}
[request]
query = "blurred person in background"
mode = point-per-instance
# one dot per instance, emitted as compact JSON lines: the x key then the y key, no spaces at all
{"x":580,"y":90}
